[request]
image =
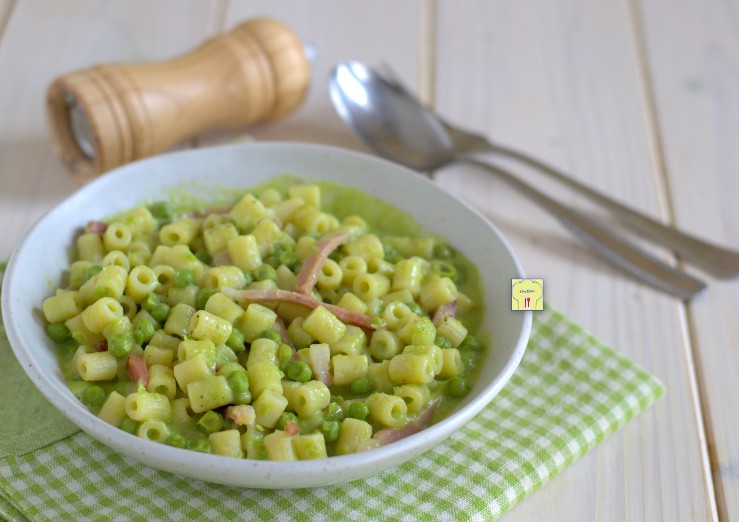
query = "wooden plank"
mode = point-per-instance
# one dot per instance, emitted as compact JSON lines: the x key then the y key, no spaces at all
{"x":337,"y":30}
{"x":692,"y":50}
{"x":561,"y":80}
{"x":34,"y":49}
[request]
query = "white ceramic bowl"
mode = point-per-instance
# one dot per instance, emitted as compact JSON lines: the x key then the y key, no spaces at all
{"x":44,"y":256}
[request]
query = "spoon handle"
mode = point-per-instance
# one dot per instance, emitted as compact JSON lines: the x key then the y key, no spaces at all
{"x":613,"y":247}
{"x":719,"y":261}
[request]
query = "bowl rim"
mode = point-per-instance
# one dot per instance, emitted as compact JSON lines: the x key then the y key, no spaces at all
{"x":184,"y":462}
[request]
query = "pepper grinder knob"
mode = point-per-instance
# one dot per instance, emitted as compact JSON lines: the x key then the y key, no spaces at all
{"x":109,"y":115}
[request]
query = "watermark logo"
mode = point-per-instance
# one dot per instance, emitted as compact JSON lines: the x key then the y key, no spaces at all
{"x":527,"y":294}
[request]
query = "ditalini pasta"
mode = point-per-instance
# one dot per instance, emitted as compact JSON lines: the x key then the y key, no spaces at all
{"x":303,"y":321}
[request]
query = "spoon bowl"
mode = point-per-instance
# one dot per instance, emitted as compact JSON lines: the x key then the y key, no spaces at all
{"x":389,"y":119}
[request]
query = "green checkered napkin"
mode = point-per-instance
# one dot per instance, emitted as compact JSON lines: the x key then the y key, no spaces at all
{"x":569,"y":393}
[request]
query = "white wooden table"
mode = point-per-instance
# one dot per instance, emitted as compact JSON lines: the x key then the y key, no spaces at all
{"x":639,"y":99}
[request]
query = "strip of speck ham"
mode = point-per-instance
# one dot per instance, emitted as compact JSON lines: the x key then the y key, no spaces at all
{"x":292,"y":428}
{"x":388,"y":435}
{"x":222,"y":258}
{"x":308,"y":275}
{"x":449,"y":309}
{"x":96,"y":227}
{"x":286,"y":296}
{"x":242,"y":414}
{"x":137,"y":370}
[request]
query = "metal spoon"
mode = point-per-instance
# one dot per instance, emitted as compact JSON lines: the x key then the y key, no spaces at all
{"x":392,"y":122}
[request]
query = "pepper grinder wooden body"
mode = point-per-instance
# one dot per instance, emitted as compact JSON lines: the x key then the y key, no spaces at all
{"x":109,"y":115}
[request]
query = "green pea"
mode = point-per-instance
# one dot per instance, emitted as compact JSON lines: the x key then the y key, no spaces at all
{"x":265,"y":272}
{"x":330,"y":430}
{"x":470,"y":342}
{"x":130,"y":425}
{"x":124,"y":387}
{"x":150,"y":301}
{"x":469,"y":358}
{"x":239,"y":384}
{"x":361,"y":386}
{"x":422,"y":325}
{"x":229,"y":424}
{"x":58,"y":332}
{"x":177,"y":440}
{"x":378,"y":323}
{"x":280,"y":247}
{"x":273,"y":262}
{"x":285,"y":419}
{"x":442,"y":342}
{"x":201,"y":298}
{"x":95,"y":395}
{"x":391,"y":253}
{"x":291,"y":259}
{"x":210,"y":422}
{"x":299,"y":371}
{"x":444,"y":269}
{"x":68,"y":347}
{"x":333,"y":411}
{"x":337,"y":255}
{"x":229,"y":368}
{"x":415,"y":308}
{"x":163,"y":212}
{"x":92,"y":272}
{"x":119,"y":325}
{"x":203,"y":256}
{"x":284,"y":355}
{"x":457,"y":387}
{"x":183,"y":278}
{"x":201,"y":445}
{"x":238,"y":381}
{"x":160,"y":312}
{"x":358,"y":410}
{"x":235,"y":341}
{"x":443,"y":251}
{"x":248,"y":278}
{"x":143,"y":330}
{"x":120,"y":345}
{"x":272,"y":335}
{"x":78,"y":388}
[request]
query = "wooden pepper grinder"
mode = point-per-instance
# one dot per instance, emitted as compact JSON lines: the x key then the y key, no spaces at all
{"x":108,"y":115}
